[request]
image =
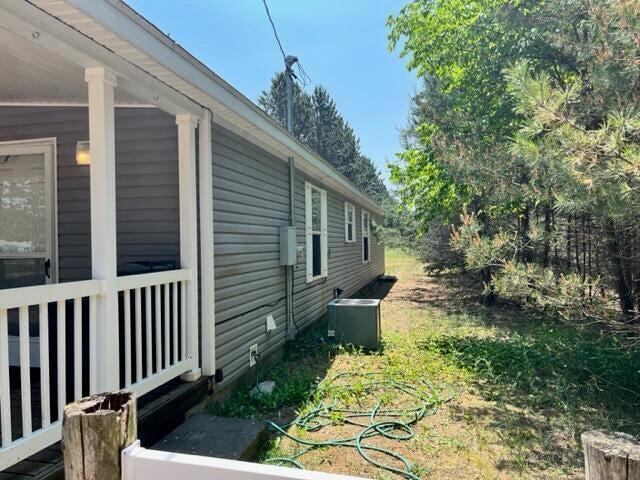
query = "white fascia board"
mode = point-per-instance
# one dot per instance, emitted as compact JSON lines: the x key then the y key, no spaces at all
{"x":134,"y":29}
{"x":22,"y":19}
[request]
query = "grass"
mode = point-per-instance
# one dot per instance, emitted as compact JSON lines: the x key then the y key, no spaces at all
{"x":521,"y":391}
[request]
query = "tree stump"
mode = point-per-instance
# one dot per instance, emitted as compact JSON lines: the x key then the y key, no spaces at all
{"x":95,"y":430}
{"x":610,"y":456}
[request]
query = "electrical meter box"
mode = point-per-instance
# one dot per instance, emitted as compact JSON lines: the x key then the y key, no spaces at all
{"x":288,"y":254}
{"x":355,"y":322}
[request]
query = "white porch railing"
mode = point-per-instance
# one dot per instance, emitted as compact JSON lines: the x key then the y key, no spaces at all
{"x":31,"y":403}
{"x":153,"y":344}
{"x":153,"y":309}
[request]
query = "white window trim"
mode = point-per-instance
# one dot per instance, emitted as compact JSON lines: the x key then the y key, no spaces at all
{"x":366,"y":233}
{"x":324,"y":271}
{"x":349,"y":207}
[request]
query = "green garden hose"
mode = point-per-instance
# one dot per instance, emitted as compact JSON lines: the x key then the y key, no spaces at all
{"x":391,"y":423}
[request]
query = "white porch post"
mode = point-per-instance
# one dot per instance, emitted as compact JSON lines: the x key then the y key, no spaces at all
{"x":189,"y":233}
{"x":101,"y":83}
{"x":206,"y":245}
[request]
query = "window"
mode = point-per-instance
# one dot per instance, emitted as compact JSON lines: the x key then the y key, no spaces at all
{"x":366,"y":234}
{"x":349,"y":222}
{"x":316,"y":231}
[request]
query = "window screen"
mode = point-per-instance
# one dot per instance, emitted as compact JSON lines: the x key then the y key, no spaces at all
{"x":366,"y":235}
{"x":316,"y":232}
{"x":349,"y":220}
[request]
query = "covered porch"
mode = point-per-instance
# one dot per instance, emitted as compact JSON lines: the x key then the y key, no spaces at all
{"x":92,"y":297}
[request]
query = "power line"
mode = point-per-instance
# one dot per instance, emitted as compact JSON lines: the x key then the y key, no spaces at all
{"x":273,"y":26}
{"x":304,"y":79}
{"x":302,"y":76}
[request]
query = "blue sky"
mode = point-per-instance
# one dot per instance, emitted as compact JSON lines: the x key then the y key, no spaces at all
{"x":340,"y":43}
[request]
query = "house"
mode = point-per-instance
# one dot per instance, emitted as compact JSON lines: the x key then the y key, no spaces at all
{"x":142,"y":200}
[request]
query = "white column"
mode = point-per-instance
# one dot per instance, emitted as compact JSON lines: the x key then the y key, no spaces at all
{"x":189,"y":232}
{"x":205,"y":171}
{"x":103,"y":221}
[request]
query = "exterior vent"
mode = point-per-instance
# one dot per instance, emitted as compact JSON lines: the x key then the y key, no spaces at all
{"x":354,"y":321}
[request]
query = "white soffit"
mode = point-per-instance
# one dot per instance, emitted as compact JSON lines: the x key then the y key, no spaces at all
{"x":117,"y":27}
{"x":31,"y":74}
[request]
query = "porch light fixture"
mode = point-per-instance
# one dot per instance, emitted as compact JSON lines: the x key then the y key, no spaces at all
{"x":83,"y":156}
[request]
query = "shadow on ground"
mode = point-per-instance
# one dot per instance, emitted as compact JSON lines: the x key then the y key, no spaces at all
{"x":534,"y":442}
{"x":446,"y":291}
{"x":378,"y":289}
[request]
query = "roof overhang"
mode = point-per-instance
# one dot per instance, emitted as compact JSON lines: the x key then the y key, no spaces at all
{"x":154,"y":69}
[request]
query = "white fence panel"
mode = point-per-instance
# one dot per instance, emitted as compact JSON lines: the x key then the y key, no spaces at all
{"x":141,"y":464}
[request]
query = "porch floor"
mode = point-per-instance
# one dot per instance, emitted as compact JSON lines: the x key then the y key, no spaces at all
{"x":159,"y":412}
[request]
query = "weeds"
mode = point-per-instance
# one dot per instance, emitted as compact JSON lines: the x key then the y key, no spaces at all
{"x":549,"y":367}
{"x":548,"y":382}
{"x":296,"y":378}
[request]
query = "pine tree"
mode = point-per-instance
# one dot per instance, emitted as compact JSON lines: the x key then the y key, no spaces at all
{"x":369,"y":179}
{"x":274,"y":102}
{"x":318,"y":124}
{"x":327,"y":126}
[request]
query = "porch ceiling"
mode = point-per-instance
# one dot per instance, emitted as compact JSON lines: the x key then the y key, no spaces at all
{"x":31,"y":74}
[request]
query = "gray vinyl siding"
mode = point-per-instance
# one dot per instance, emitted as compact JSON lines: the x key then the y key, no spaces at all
{"x":250,"y":202}
{"x":146,"y":183}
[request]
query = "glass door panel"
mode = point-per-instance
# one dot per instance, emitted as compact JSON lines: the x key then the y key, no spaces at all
{"x":25,"y":216}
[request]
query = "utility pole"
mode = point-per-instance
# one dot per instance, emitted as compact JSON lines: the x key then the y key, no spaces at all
{"x":289,"y":61}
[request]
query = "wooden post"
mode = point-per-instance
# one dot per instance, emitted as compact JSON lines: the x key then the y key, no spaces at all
{"x":95,"y":430}
{"x":610,"y":456}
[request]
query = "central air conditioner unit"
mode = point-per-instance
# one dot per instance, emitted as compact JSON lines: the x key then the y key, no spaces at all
{"x":354,"y":321}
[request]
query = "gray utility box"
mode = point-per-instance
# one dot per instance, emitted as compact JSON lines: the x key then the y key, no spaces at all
{"x":355,"y":321}
{"x":288,"y":251}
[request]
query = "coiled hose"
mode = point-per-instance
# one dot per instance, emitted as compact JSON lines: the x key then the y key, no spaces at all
{"x":391,"y":423}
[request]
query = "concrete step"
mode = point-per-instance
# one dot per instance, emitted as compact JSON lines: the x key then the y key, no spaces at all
{"x":220,"y":437}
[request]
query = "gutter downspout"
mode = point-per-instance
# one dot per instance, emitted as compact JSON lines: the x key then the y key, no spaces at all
{"x":290,"y":270}
{"x":207,"y":255}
